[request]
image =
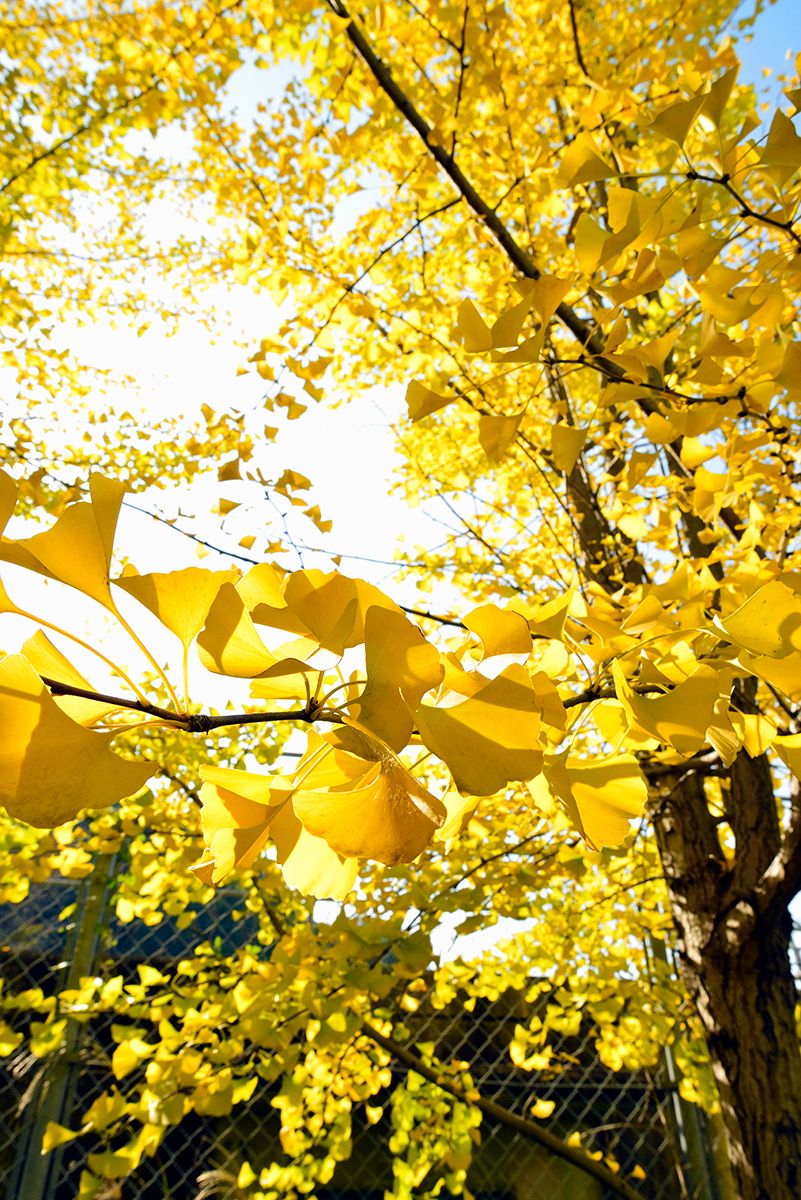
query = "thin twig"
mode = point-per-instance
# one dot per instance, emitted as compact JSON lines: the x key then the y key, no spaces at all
{"x":576,"y":41}
{"x":190,"y":722}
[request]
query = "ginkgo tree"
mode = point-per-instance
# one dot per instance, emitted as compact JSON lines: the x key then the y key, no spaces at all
{"x":585,"y":267}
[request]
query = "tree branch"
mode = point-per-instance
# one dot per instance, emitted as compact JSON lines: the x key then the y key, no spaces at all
{"x":581,"y":330}
{"x":190,"y":722}
{"x":576,"y":41}
{"x":747,"y":211}
{"x":585,"y":332}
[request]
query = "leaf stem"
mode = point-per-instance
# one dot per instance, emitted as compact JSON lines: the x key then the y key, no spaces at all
{"x":159,"y":670}
{"x":186,"y":676}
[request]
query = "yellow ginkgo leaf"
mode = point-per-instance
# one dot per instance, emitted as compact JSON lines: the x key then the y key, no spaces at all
{"x":324,"y":610}
{"x":547,"y":293}
{"x":180,"y":599}
{"x":57,"y":1135}
{"x":328,"y":607}
{"x":613,"y":724}
{"x":262,"y":584}
{"x":475,"y":334}
{"x":782,"y":151}
{"x":8,"y":498}
{"x":237,"y":808}
{"x":769,"y":622}
{"x":459,"y":808}
{"x":357,"y":795}
{"x":289,"y":679}
{"x":789,"y":749}
{"x":676,"y":121}
{"x":308,"y":863}
{"x":552,"y":709}
{"x":422,"y":402}
{"x":548,"y":620}
{"x":680,"y":717}
{"x":755,"y":732}
{"x":47,"y":659}
{"x":401,"y":667}
{"x":567,"y":443}
{"x":77,"y":549}
{"x":367,"y":597}
{"x":51,"y":767}
{"x":229,"y":643}
{"x":508,"y":326}
{"x":600,"y":797}
{"x":782,"y":673}
{"x":496,"y":434}
{"x":501,"y":631}
{"x":489,"y":739}
{"x":590,"y":242}
{"x":582,"y":162}
{"x":719,"y":94}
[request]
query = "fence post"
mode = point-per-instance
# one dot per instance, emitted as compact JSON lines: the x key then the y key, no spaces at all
{"x":33,"y":1174}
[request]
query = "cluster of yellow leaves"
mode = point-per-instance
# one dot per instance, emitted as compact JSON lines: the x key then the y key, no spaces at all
{"x":663,"y":213}
{"x":663,"y":683}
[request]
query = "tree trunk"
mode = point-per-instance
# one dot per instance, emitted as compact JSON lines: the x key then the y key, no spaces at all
{"x":735,"y":962}
{"x":746,"y":997}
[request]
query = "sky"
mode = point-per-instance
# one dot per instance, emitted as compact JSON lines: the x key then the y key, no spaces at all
{"x":776,"y":40}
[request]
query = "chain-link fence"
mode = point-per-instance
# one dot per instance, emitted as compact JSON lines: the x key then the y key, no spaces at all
{"x":64,"y":931}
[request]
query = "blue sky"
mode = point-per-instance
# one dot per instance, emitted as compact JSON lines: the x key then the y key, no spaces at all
{"x":777,"y":30}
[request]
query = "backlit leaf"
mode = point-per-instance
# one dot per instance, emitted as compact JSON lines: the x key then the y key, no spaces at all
{"x":325,"y":610}
{"x":769,"y":622}
{"x":422,"y":401}
{"x":476,"y":336}
{"x":508,"y":326}
{"x":677,"y":119}
{"x":501,"y":631}
{"x":180,"y":599}
{"x":401,"y":667}
{"x":47,"y":659}
{"x":567,"y":442}
{"x":582,"y":162}
{"x":8,"y":498}
{"x":680,"y":717}
{"x":357,"y":795}
{"x":308,"y":863}
{"x":77,"y":549}
{"x":51,"y":767}
{"x":237,"y":809}
{"x":600,"y":798}
{"x":496,"y":434}
{"x":491,"y":738}
{"x":229,"y":643}
{"x":789,"y":750}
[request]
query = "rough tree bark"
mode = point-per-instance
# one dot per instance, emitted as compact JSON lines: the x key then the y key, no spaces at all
{"x":734,"y":946}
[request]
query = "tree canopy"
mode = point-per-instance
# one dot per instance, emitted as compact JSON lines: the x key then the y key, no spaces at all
{"x":584,"y":268}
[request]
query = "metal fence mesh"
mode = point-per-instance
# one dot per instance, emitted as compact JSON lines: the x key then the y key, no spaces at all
{"x":63,"y":928}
